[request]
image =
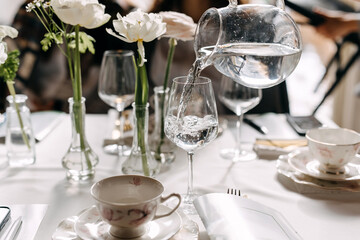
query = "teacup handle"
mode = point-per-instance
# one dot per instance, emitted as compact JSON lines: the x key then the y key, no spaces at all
{"x":356,"y":159}
{"x":163,"y":199}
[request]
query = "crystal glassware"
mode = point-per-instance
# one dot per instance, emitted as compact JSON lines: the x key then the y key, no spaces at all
{"x":80,"y":160}
{"x":162,"y":148}
{"x":239,"y":99}
{"x":117,"y":88}
{"x":257,"y":45}
{"x":140,"y":160}
{"x":191,"y":123}
{"x":20,"y":141}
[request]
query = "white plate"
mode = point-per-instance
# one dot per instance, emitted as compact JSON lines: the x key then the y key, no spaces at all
{"x":286,"y":170}
{"x":90,"y":226}
{"x":303,"y":162}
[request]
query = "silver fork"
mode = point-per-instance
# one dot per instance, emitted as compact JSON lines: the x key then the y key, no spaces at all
{"x":234,"y":191}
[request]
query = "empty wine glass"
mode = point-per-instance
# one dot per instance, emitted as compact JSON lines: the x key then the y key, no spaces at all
{"x":117,"y":88}
{"x":239,"y":99}
{"x":191,"y":123}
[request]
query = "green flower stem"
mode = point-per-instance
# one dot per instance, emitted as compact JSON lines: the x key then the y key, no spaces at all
{"x":77,"y":68}
{"x":140,"y":126}
{"x":10,"y":85}
{"x":47,"y":28}
{"x":77,"y":95}
{"x":141,"y":85}
{"x":141,"y":98}
{"x":172,"y":44}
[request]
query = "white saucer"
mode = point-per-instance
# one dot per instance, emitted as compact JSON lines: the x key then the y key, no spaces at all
{"x":90,"y":226}
{"x":286,"y":170}
{"x":303,"y":162}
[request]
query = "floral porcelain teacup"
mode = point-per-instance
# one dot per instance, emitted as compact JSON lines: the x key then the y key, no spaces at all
{"x":128,"y":202}
{"x":333,"y":148}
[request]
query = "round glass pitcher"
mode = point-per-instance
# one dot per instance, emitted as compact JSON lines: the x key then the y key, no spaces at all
{"x":257,"y":45}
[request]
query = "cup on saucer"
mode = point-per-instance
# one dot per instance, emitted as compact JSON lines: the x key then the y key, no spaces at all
{"x":128,"y":202}
{"x":333,"y":148}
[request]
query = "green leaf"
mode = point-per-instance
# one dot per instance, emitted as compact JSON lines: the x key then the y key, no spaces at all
{"x":10,"y":67}
{"x":86,"y":42}
{"x":49,"y":38}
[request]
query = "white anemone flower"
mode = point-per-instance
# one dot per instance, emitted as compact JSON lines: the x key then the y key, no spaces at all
{"x":178,"y":26}
{"x":7,"y":31}
{"x":86,"y":13}
{"x":138,"y":27}
{"x":3,"y":52}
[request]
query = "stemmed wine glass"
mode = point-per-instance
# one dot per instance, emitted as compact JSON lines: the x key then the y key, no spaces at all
{"x":117,"y":88}
{"x":239,"y":99}
{"x":191,"y":123}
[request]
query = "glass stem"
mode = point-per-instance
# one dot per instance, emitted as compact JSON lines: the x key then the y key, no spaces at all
{"x":238,"y":134}
{"x":119,"y":124}
{"x":190,"y":191}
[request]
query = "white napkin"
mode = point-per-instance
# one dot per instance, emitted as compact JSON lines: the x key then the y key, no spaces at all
{"x":273,"y":148}
{"x":42,"y":122}
{"x":230,"y":217}
{"x":31,"y":214}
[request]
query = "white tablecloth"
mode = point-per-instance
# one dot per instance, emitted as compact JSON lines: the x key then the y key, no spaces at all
{"x":314,"y":213}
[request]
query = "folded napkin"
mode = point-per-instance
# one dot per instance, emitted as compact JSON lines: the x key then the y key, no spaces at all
{"x":232,"y":217}
{"x":42,"y":122}
{"x":273,"y":148}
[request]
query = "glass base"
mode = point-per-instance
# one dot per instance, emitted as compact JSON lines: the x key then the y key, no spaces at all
{"x":21,"y":160}
{"x":80,"y":176}
{"x":164,"y":157}
{"x":115,"y":149}
{"x":187,"y":205}
{"x":238,"y":156}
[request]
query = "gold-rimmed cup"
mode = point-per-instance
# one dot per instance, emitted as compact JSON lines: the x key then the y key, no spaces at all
{"x":128,"y":202}
{"x":333,"y":148}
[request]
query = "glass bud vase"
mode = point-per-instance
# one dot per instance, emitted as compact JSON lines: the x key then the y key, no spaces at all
{"x":161,"y":147}
{"x":140,"y":160}
{"x":20,"y":141}
{"x":80,"y":160}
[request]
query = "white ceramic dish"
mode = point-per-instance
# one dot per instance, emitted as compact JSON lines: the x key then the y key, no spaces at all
{"x":303,"y":162}
{"x":90,"y":226}
{"x":286,"y":170}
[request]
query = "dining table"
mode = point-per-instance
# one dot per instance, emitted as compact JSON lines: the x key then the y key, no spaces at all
{"x":42,"y":195}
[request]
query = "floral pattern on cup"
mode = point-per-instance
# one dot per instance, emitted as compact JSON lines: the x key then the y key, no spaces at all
{"x":129,"y":202}
{"x":325,"y":152}
{"x":136,"y":181}
{"x":333,"y":148}
{"x":133,"y":216}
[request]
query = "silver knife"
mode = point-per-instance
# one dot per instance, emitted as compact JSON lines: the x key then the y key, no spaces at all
{"x":14,"y":229}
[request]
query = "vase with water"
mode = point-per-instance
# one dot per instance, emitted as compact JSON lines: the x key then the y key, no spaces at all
{"x":20,"y":141}
{"x":161,"y":147}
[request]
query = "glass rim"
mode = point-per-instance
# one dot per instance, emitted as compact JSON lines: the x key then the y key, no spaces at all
{"x":121,"y":52}
{"x":183,"y":80}
{"x":18,"y":98}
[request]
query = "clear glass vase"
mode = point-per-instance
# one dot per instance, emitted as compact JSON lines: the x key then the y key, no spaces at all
{"x":80,"y":160}
{"x":161,"y":147}
{"x":20,"y":141}
{"x":140,"y":160}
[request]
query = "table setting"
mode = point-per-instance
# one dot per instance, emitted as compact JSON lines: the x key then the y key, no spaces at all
{"x":257,"y":179}
{"x":260,"y":180}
